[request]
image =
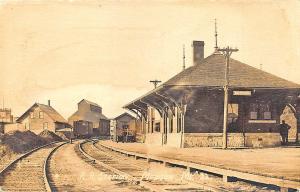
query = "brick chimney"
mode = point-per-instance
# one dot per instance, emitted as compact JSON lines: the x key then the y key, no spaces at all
{"x":49,"y":103}
{"x":198,"y":51}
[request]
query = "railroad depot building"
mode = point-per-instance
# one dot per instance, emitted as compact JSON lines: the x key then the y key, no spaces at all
{"x":188,"y":109}
{"x":37,"y":118}
{"x":88,"y":120}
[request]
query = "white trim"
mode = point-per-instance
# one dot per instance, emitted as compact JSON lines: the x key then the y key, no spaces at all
{"x":242,"y":93}
{"x":262,"y":121}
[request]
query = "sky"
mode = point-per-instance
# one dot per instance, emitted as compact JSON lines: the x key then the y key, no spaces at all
{"x":107,"y":51}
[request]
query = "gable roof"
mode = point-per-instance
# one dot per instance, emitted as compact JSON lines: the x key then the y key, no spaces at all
{"x":211,"y":71}
{"x":88,"y":116}
{"x":89,"y":102}
{"x":124,"y":114}
{"x":53,"y":114}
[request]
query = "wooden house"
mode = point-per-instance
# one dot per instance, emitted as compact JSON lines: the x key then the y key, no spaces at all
{"x":88,"y":120}
{"x":40,"y":117}
{"x":188,"y":109}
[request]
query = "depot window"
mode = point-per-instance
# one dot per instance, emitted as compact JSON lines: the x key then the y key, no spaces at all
{"x":260,"y":111}
{"x":233,"y":112}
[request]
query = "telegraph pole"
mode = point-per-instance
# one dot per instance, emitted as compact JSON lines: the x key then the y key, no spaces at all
{"x":155,"y":82}
{"x":227,"y":53}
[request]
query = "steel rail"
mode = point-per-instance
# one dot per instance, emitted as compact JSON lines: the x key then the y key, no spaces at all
{"x":121,"y":173}
{"x":203,"y":185}
{"x":46,"y":177}
{"x":23,"y":156}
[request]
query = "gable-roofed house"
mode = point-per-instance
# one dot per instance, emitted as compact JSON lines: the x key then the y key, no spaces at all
{"x":40,"y":117}
{"x":188,"y":109}
{"x":126,"y":125}
{"x":89,"y":120}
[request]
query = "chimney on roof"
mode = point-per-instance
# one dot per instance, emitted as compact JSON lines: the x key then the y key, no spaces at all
{"x":49,"y":103}
{"x":198,"y":51}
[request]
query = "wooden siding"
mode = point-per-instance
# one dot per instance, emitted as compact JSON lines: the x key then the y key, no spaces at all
{"x":36,"y":124}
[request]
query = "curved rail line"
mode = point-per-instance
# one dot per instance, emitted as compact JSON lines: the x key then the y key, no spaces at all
{"x":24,"y":166}
{"x":133,"y":171}
{"x":46,"y":166}
{"x":203,"y":185}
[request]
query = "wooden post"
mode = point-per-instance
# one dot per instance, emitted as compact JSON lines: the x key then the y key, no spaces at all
{"x":182,"y":119}
{"x":225,"y":117}
{"x":182,"y":113}
{"x":163,"y":129}
{"x":227,"y":53}
{"x":181,"y":136}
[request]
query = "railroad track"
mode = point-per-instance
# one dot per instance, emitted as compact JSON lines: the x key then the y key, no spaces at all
{"x":29,"y":171}
{"x":141,"y":172}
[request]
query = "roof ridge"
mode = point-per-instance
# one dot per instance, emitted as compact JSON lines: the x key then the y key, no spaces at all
{"x":209,"y":72}
{"x":90,"y":102}
{"x":41,"y":107}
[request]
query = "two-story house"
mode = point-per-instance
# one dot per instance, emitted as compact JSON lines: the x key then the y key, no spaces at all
{"x":40,"y":117}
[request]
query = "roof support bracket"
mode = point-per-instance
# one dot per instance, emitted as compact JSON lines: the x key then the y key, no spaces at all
{"x":159,"y":109}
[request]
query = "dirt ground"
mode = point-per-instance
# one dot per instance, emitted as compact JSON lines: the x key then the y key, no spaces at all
{"x":71,"y":173}
{"x":277,"y":162}
{"x":14,"y":144}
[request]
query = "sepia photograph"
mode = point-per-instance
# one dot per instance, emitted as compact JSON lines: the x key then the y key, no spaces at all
{"x":149,"y":95}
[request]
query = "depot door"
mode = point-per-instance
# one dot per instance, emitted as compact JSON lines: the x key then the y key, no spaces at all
{"x":289,"y":116}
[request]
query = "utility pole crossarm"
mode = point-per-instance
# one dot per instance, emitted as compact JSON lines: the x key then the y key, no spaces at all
{"x":155,"y":82}
{"x":227,"y":51}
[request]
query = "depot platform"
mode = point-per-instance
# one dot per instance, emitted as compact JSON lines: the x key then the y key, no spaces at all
{"x":275,"y":166}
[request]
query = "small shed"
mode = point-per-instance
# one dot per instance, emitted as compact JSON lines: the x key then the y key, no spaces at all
{"x":124,"y":124}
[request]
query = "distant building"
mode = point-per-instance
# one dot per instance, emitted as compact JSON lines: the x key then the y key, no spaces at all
{"x":125,"y":125}
{"x":5,"y":118}
{"x":88,"y":120}
{"x":37,"y":118}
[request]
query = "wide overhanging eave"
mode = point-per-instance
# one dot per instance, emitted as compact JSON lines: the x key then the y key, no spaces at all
{"x":132,"y":103}
{"x":164,"y":88}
